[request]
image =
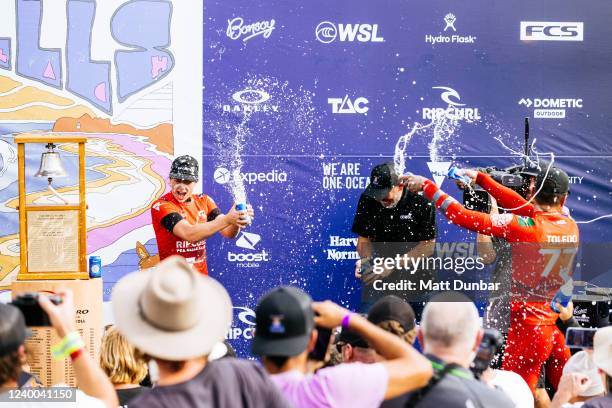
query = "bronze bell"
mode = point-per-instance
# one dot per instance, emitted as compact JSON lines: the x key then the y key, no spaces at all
{"x":51,"y":164}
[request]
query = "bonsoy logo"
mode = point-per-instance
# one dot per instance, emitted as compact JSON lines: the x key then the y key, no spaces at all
{"x":224,"y":176}
{"x":236,"y":29}
{"x":345,"y":105}
{"x":327,"y":32}
{"x":552,"y":31}
{"x":455,"y":110}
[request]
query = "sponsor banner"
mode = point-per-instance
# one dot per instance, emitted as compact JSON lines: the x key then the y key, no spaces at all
{"x":237,"y":29}
{"x":327,"y":32}
{"x":551,"y":108}
{"x":552,"y":31}
{"x":455,"y":110}
{"x":346,"y":105}
{"x":449,"y":34}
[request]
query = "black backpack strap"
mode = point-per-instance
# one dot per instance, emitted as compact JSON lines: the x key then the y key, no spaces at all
{"x":438,"y":375}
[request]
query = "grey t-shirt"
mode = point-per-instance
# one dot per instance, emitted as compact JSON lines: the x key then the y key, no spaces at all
{"x":224,"y":383}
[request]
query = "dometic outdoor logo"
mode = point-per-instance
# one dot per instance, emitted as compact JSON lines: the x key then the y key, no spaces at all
{"x":252,"y":259}
{"x":236,"y":29}
{"x":224,"y":176}
{"x":341,"y":248}
{"x":552,"y":31}
{"x":449,"y":34}
{"x":550,"y":108}
{"x":250,"y":100}
{"x":345,"y":105}
{"x":439,"y":170}
{"x":328,"y":32}
{"x":243,"y":324}
{"x":455,"y":110}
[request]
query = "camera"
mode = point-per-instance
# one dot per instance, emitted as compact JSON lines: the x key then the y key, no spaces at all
{"x":489,"y":346}
{"x":32,"y":312}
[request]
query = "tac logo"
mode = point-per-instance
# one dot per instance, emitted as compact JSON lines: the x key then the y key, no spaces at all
{"x":455,"y":110}
{"x":551,"y":31}
{"x":551,"y":108}
{"x":243,"y":325}
{"x":345,"y":105}
{"x":250,"y":100}
{"x":248,"y":240}
{"x":439,"y":171}
{"x":224,"y":176}
{"x":237,"y":29}
{"x":327,"y":32}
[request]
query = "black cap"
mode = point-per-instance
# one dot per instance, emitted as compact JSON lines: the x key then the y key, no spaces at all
{"x":13,"y":331}
{"x":382,"y":179}
{"x":392,"y":308}
{"x":284,"y":321}
{"x":552,"y":180}
{"x":348,"y":336}
{"x":184,"y":168}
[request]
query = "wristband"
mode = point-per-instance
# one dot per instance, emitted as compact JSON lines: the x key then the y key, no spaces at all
{"x":68,"y":345}
{"x":346,"y":320}
{"x":76,"y":354}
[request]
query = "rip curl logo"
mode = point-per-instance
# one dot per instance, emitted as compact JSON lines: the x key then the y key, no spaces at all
{"x":237,"y":29}
{"x":448,"y":94}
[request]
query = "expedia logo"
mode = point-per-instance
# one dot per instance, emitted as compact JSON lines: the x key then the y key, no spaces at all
{"x":552,"y":31}
{"x":223,"y":176}
{"x":250,"y":100}
{"x":248,"y":240}
{"x":455,"y":110}
{"x":550,"y":108}
{"x":327,"y":32}
{"x":243,"y":324}
{"x":345,"y":105}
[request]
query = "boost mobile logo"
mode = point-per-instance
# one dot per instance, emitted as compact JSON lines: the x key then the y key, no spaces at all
{"x":345,"y":105}
{"x":327,"y":32}
{"x":248,"y":240}
{"x":552,"y":31}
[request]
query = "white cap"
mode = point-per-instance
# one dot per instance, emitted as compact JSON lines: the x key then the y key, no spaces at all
{"x":582,"y":362}
{"x":602,"y":349}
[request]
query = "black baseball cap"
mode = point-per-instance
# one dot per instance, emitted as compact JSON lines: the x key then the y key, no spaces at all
{"x":284,"y":321}
{"x":348,"y":336}
{"x":382,"y":179}
{"x":392,"y":308}
{"x":13,"y":331}
{"x":184,"y":168}
{"x":552,"y":180}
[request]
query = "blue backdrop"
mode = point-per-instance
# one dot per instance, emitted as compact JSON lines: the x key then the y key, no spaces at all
{"x":305,"y":97}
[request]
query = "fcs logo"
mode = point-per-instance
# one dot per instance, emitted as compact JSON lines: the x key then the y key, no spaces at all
{"x":345,"y":105}
{"x":439,"y":171}
{"x":552,"y":31}
{"x":446,"y":96}
{"x":327,"y":32}
{"x":248,"y":240}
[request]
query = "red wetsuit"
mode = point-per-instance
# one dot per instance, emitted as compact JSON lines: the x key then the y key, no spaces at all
{"x":166,"y":212}
{"x":544,"y":246}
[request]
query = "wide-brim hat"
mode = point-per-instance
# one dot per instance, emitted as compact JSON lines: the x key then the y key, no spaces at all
{"x":602,"y":349}
{"x":171,"y":312}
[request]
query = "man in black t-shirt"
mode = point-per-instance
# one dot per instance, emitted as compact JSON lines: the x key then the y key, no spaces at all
{"x":392,"y":221}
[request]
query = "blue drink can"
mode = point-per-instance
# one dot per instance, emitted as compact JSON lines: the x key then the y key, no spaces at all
{"x":243,"y":207}
{"x":95,"y":267}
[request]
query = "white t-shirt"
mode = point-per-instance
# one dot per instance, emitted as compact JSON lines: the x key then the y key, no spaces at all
{"x":514,"y":387}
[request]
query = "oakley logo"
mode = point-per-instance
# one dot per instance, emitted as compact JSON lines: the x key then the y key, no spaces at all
{"x":251,"y":96}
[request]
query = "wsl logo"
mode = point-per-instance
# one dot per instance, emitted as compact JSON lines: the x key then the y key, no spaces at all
{"x":250,"y":100}
{"x":454,"y":111}
{"x":224,"y":176}
{"x":345,"y":105}
{"x":327,"y":32}
{"x":248,"y":240}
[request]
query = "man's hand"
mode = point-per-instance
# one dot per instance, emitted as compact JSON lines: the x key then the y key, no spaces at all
{"x":570,"y":386}
{"x":414,"y":183}
{"x":62,"y":315}
{"x":471,"y":174}
{"x":237,"y":218}
{"x":566,"y":313}
{"x":328,"y":314}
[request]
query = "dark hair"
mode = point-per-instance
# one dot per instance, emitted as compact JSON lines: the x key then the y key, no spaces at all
{"x":10,"y":367}
{"x":394,"y":327}
{"x":172,"y":366}
{"x":546,"y":195}
{"x":277,"y":361}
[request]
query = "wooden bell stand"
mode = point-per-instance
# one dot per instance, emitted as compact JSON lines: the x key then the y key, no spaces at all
{"x":53,"y":256}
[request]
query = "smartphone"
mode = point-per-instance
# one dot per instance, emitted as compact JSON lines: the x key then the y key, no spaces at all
{"x":579,"y":337}
{"x":34,"y":315}
{"x":320,"y":350}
